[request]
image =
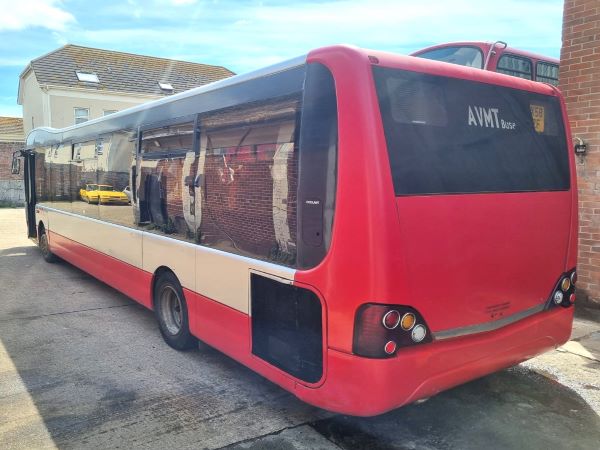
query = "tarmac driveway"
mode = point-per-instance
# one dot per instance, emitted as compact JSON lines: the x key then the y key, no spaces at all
{"x":82,"y":366}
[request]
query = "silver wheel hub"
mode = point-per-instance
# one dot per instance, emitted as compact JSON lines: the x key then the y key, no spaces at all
{"x":171,"y":309}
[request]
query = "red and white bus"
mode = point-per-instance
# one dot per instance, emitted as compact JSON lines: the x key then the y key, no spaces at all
{"x":497,"y":57}
{"x":362,"y":228}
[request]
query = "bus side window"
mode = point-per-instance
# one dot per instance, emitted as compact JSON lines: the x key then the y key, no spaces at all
{"x":517,"y":66}
{"x":249,"y":176}
{"x":162,"y":169}
{"x":546,"y":72}
{"x":84,"y":179}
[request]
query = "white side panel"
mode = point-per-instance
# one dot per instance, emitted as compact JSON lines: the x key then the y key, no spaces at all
{"x":119,"y":242}
{"x":179,"y":256}
{"x":220,"y":276}
{"x":225,"y":277}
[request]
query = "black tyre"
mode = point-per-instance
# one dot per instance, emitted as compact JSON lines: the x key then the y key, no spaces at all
{"x":172,"y":314}
{"x":45,"y":248}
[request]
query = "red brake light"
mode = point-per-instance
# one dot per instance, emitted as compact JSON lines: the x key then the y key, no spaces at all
{"x":390,"y":347}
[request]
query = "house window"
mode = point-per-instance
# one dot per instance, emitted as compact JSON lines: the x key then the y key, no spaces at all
{"x":109,"y":111}
{"x":82,"y":115}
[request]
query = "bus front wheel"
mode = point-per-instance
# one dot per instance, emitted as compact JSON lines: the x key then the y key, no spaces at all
{"x":45,"y":248}
{"x":172,"y":313}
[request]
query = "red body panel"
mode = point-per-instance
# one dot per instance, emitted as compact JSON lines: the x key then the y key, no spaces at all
{"x":467,"y":254}
{"x":427,"y":251}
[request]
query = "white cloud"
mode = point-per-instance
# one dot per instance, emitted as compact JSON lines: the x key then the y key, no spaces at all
{"x":18,"y":15}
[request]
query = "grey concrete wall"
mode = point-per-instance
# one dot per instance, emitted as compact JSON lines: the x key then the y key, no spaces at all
{"x":12,"y":193}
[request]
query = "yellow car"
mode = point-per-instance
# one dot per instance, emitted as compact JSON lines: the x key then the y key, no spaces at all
{"x":103,"y":194}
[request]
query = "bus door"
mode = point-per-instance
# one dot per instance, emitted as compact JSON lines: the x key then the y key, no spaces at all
{"x":30,"y":199}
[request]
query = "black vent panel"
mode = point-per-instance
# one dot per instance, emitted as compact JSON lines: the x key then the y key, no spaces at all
{"x":287,"y":328}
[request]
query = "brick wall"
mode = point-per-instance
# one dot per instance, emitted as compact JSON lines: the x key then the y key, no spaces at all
{"x":11,"y":186}
{"x":580,"y":84}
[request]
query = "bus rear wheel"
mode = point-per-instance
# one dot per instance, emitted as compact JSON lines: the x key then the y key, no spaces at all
{"x":171,"y":312}
{"x":45,"y":248}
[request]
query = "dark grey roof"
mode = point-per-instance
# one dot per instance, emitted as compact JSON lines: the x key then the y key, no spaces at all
{"x":123,"y":72}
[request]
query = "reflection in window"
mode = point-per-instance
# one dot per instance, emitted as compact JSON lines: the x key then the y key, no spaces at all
{"x":167,"y":154}
{"x":172,"y":138}
{"x":515,"y":65}
{"x":250,"y":178}
{"x":84,"y":178}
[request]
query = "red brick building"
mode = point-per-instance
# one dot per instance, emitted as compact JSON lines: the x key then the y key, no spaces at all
{"x":580,"y":83}
{"x":11,"y":139}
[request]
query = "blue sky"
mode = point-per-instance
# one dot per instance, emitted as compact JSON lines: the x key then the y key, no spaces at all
{"x":245,"y":35}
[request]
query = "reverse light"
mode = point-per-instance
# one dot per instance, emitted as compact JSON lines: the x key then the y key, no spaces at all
{"x":558,"y":297}
{"x":418,"y":333}
{"x":377,"y":334}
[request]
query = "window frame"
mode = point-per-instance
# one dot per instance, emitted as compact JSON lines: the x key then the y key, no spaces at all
{"x":521,"y":57}
{"x":75,"y":108}
{"x":108,"y":112}
{"x":546,"y":63}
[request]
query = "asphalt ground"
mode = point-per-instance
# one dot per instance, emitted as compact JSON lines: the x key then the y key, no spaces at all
{"x":82,"y":366}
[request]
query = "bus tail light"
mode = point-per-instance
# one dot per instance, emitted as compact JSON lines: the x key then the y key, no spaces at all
{"x":391,"y":319}
{"x":380,"y":330}
{"x":563,"y":293}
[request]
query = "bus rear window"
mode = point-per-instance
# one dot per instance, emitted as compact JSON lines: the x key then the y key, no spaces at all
{"x":450,"y":136}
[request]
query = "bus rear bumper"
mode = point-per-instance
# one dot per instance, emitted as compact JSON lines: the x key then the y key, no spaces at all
{"x":366,"y":387}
